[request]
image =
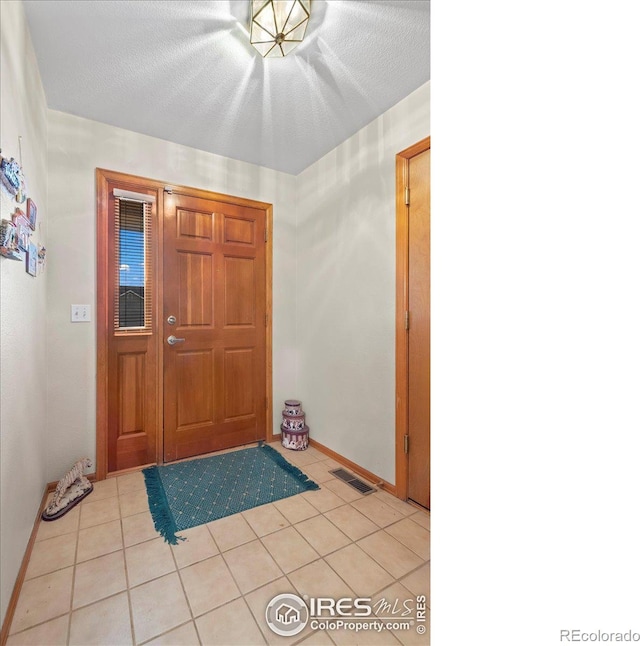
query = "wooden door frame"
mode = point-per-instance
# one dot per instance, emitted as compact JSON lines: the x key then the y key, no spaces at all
{"x":105,"y":179}
{"x":402,"y":306}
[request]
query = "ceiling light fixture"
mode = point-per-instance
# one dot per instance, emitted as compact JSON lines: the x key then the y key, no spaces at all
{"x":278,"y":26}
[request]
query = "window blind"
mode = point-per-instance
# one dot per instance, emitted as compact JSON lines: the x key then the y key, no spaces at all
{"x":132,"y":236}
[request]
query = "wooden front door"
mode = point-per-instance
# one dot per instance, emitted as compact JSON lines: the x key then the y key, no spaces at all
{"x":200,"y":257}
{"x":413,"y":324}
{"x":213,"y":318}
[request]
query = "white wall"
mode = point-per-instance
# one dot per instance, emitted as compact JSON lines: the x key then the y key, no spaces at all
{"x":22,"y":304}
{"x":346,"y":287}
{"x":334,"y":265}
{"x":76,"y":148}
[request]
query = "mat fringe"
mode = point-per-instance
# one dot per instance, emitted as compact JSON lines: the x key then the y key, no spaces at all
{"x":302,"y":478}
{"x":159,"y":506}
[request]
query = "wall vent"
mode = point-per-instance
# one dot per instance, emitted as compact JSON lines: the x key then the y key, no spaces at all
{"x":352,"y":481}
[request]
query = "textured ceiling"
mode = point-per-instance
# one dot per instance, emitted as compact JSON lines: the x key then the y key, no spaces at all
{"x":185,"y":72}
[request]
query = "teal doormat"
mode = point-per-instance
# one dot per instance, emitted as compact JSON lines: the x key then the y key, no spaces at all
{"x":198,"y":491}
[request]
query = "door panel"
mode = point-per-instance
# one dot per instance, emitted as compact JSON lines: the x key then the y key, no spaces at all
{"x":214,"y":380}
{"x":131,"y":413}
{"x":131,"y":381}
{"x":419,"y":378}
{"x":238,"y":384}
{"x":195,"y":289}
{"x":194,"y":370}
{"x":192,"y":224}
{"x":239,"y":291}
{"x":239,"y":231}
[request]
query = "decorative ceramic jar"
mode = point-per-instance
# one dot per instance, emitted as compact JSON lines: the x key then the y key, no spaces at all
{"x":292,"y":407}
{"x":292,"y":422}
{"x":295,"y":440}
{"x":294,"y":432}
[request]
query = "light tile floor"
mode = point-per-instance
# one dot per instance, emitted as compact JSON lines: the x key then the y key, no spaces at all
{"x":102,"y":575}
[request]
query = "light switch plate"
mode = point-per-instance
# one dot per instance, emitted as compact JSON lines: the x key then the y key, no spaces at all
{"x":80,"y":313}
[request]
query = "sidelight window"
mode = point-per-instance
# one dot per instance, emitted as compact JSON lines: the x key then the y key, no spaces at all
{"x":132,"y":245}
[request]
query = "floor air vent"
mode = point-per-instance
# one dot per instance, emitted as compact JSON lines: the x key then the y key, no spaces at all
{"x":351,"y":480}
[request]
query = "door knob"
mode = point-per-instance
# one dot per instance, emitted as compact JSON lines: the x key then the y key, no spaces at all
{"x":172,"y":340}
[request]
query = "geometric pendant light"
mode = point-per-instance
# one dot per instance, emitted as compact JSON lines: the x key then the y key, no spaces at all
{"x":278,"y":26}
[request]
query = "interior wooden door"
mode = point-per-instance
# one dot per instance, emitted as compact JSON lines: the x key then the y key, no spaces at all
{"x":419,"y":353}
{"x":214,"y":287}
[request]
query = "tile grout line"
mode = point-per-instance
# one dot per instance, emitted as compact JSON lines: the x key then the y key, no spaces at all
{"x":321,"y":558}
{"x":73,"y":579}
{"x":242,"y":594}
{"x":407,"y":546}
{"x":59,"y":569}
{"x":184,"y":590}
{"x":128,"y":587}
{"x":286,"y":576}
{"x":410,"y":572}
{"x":48,"y":572}
{"x":68,"y":614}
{"x":40,"y":623}
{"x":126,"y":570}
{"x":417,"y":523}
{"x":348,"y":586}
{"x":397,"y":541}
{"x":276,"y":562}
{"x":349,"y":537}
{"x":110,"y":596}
{"x":166,"y":632}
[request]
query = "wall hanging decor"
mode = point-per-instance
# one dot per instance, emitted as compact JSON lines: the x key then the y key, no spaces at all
{"x":21,"y":195}
{"x":23,"y":229}
{"x":42,"y":253}
{"x":294,"y":432}
{"x":32,"y":213}
{"x":32,"y":259}
{"x":10,"y":175}
{"x":9,"y":241}
{"x":15,"y":233}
